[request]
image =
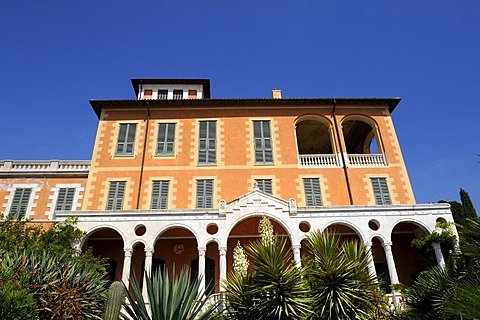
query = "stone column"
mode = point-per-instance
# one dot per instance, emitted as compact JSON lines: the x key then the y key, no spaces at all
{"x":392,"y":270}
{"x":223,"y":265}
{"x":201,"y":269}
{"x":371,"y":263}
{"x":148,"y":270}
{"x":438,"y":254}
{"x":127,"y":262}
{"x":296,"y":254}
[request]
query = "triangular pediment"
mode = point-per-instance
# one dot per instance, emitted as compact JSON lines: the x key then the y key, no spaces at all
{"x":258,"y":201}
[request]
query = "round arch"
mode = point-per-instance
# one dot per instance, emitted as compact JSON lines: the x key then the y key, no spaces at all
{"x":254,"y":215}
{"x":313,"y":117}
{"x":173,"y":226}
{"x":314,"y":135}
{"x":416,"y":222}
{"x":359,"y":131}
{"x":108,"y":243}
{"x":98,"y":228}
{"x":349,"y":225}
{"x":210,"y":240}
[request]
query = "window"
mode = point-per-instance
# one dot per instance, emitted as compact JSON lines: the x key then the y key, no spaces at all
{"x":380,"y":191}
{"x":263,"y":142}
{"x":192,"y":94}
{"x":20,"y":201}
{"x":160,"y":194}
{"x":162,"y":94}
{"x":313,"y":195}
{"x":166,"y":139}
{"x":177,"y":94}
{"x":65,"y":199}
{"x":204,"y":193}
{"x":207,"y":153}
{"x":126,"y":139}
{"x":116,"y":192}
{"x":264,"y":185}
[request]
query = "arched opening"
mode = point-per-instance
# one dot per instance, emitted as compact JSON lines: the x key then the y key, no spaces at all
{"x":107,"y":243}
{"x":175,"y":248}
{"x":360,"y":137}
{"x":381,"y":265}
{"x":246,"y":231}
{"x":345,"y":232}
{"x":314,"y":137}
{"x":409,"y":260}
{"x":137,"y":269}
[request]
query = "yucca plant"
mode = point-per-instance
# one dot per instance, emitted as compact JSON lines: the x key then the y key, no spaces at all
{"x":169,"y":298}
{"x":272,"y":288}
{"x":338,"y":278}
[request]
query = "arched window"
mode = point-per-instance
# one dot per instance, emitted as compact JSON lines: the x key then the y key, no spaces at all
{"x":360,"y":137}
{"x":314,"y":137}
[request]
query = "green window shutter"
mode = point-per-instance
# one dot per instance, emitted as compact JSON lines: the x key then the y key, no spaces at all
{"x":65,"y":199}
{"x":21,"y":197}
{"x":162,"y":94}
{"x":265,"y":185}
{"x":207,"y":142}
{"x":380,"y":191}
{"x":160,"y":194}
{"x":166,"y":139}
{"x":262,"y":142}
{"x":313,"y":194}
{"x":177,"y":94}
{"x":116,"y":193}
{"x":204,"y":193}
{"x":126,"y":139}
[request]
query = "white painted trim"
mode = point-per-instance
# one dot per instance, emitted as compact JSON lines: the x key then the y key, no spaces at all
{"x":33,"y":196}
{"x":76,"y":204}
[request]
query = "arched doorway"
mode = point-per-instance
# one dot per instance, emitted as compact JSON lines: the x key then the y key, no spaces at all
{"x":246,"y":231}
{"x":409,"y":260}
{"x":175,"y":248}
{"x":107,"y":243}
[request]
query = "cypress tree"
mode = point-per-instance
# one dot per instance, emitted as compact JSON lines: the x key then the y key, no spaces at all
{"x":467,"y":205}
{"x":458,"y":212}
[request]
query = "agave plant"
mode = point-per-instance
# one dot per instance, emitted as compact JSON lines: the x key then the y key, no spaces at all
{"x":337,"y":274}
{"x":169,"y":298}
{"x":62,"y":287}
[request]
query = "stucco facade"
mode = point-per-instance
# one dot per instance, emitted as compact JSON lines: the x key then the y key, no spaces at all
{"x":177,"y":178}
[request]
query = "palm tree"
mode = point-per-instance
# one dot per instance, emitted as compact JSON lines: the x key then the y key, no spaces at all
{"x":338,"y":278}
{"x":170,"y":298}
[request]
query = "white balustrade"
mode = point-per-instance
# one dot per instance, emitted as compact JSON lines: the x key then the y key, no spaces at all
{"x":366,"y":160}
{"x":53,"y":166}
{"x":318,"y":160}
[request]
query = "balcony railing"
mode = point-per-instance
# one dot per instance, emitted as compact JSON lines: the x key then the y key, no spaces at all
{"x":318,"y":160}
{"x":366,"y":160}
{"x":45,"y":167}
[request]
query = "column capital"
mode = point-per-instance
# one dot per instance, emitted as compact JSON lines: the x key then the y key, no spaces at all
{"x":387,"y":245}
{"x":368,"y":244}
{"x":436,"y":246}
{"x":222,"y":250}
{"x":296,"y":246}
{"x":128,"y":252}
{"x":149,"y":252}
{"x":202,"y":251}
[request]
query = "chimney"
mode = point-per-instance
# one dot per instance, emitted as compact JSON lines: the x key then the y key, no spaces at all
{"x":276,"y":94}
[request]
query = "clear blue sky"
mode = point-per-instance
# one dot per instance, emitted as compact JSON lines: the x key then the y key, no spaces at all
{"x":56,"y":55}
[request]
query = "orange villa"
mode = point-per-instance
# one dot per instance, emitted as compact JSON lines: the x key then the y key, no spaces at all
{"x":177,"y":178}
